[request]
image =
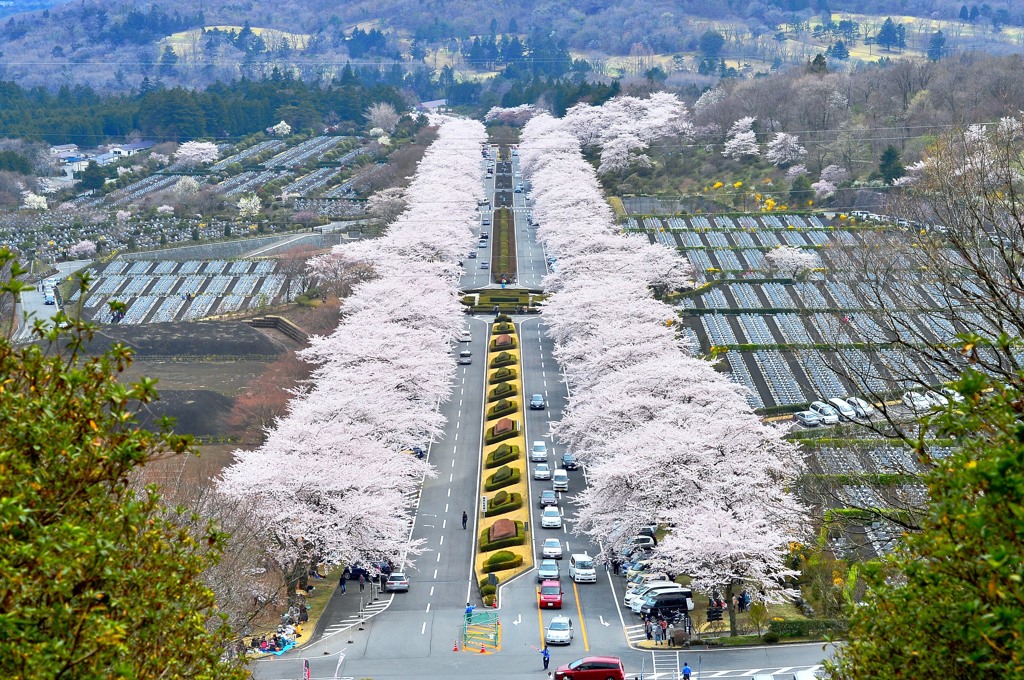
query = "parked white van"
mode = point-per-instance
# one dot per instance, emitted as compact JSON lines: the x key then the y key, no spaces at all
{"x":581,"y":568}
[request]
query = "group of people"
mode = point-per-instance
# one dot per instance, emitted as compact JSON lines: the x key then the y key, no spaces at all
{"x":281,"y":640}
{"x":660,"y":630}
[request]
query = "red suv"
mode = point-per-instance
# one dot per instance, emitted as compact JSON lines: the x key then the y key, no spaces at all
{"x":592,"y":668}
{"x":550,"y":595}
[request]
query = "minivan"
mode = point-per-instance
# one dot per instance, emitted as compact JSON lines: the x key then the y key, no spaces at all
{"x":581,"y":568}
{"x":465,"y":357}
{"x":669,"y":602}
{"x":846,"y":411}
{"x":635,"y":599}
{"x":538,"y":452}
{"x":644,"y":577}
{"x":560,"y":480}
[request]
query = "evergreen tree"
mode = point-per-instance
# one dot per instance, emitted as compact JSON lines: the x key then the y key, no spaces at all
{"x":975,"y":13}
{"x":890,"y":164}
{"x":840,"y":51}
{"x":92,"y":177}
{"x":168,"y":62}
{"x":936,"y":46}
{"x":818,"y":65}
{"x":887,"y":36}
{"x":711,"y":44}
{"x":494,"y":27}
{"x":801,"y":192}
{"x":964,"y":13}
{"x":513,"y":25}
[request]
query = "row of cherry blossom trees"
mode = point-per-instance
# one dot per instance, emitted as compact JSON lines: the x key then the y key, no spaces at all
{"x":664,"y":436}
{"x":332,"y":479}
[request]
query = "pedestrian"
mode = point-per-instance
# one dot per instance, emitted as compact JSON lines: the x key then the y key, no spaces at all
{"x":341,"y":583}
{"x":496,"y":310}
{"x":657,"y":633}
{"x":362,"y":583}
{"x":465,"y":519}
{"x":469,"y":612}
{"x":670,"y":635}
{"x":663,"y":624}
{"x":383,"y":581}
{"x":648,"y":629}
{"x":615,"y":566}
{"x":686,"y":671}
{"x":546,"y":655}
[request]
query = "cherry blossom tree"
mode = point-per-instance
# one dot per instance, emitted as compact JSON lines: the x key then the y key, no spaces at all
{"x":797,"y":261}
{"x":796,"y":171}
{"x":249,"y":206}
{"x":122,"y":216}
{"x":185,"y":187}
{"x":515,"y":116}
{"x":741,"y":141}
{"x":31,"y":201}
{"x":338,"y":272}
{"x":331,"y":478}
{"x":193,"y":154}
{"x":834,"y":174}
{"x":84,"y":248}
{"x":382,"y":115}
{"x":641,"y":401}
{"x":785,"y":149}
{"x":387,"y":204}
{"x":165,"y":210}
{"x":282,"y":129}
{"x":823,"y":189}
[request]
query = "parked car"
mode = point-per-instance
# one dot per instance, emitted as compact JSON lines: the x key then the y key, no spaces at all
{"x":548,"y":570}
{"x":592,"y":668}
{"x":649,"y":530}
{"x":550,"y":595}
{"x":637,"y":568}
{"x":537,"y":402}
{"x":846,"y":411}
{"x":548,"y":497}
{"x":644,"y":577}
{"x":807,"y":418}
{"x":551,"y":518}
{"x":650,"y":587}
{"x":951,"y":394}
{"x":560,"y":481}
{"x":936,"y":399}
{"x":472,"y":255}
{"x":551,"y":548}
{"x":667,"y":602}
{"x":863,"y":407}
{"x":542,"y":471}
{"x":641,"y":541}
{"x":828,"y":414}
{"x":569,"y":461}
{"x":559,"y":631}
{"x":397,"y":582}
{"x":915,"y":401}
{"x":465,"y":357}
{"x":538,"y":452}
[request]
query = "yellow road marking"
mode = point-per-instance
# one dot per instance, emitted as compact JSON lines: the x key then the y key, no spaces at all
{"x":579,"y":611}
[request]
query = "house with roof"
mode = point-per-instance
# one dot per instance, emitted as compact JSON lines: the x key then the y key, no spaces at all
{"x":64,"y":150}
{"x":125,"y":150}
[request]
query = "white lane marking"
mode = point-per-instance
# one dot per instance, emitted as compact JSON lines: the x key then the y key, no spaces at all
{"x":431,"y":591}
{"x":456,"y":437}
{"x":446,"y":508}
{"x":435,"y":573}
{"x":451,"y":476}
{"x":438,"y":555}
{"x":423,"y":628}
{"x":444,"y":524}
{"x":428,"y":609}
{"x":449,"y":492}
{"x":603,"y":622}
{"x":442,"y":541}
{"x":453,"y":462}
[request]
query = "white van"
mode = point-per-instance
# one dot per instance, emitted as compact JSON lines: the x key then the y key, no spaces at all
{"x":644,"y":578}
{"x":581,"y":569}
{"x":560,"y":480}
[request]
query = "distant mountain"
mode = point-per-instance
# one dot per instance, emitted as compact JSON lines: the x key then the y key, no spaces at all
{"x":114,"y":47}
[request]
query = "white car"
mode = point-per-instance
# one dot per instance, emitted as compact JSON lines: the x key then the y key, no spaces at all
{"x":647,"y":588}
{"x":551,"y":549}
{"x":539,"y":452}
{"x":951,"y":394}
{"x":916,"y":402}
{"x":863,"y":407}
{"x":542,"y":471}
{"x":559,"y":631}
{"x":551,"y":518}
{"x":846,"y":411}
{"x":828,"y":414}
{"x":936,"y":399}
{"x":465,"y":336}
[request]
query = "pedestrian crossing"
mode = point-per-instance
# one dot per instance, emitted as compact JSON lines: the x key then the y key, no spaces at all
{"x":370,"y":610}
{"x":635,"y":633}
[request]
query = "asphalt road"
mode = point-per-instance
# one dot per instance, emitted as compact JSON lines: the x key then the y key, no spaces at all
{"x":32,"y":305}
{"x":413,"y":638}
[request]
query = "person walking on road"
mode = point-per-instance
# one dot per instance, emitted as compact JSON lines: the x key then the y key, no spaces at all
{"x":546,"y":655}
{"x":686,"y":671}
{"x":362,"y":583}
{"x":465,"y":519}
{"x":341,"y":583}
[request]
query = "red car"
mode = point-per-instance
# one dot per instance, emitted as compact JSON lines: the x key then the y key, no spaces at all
{"x":550,"y":595}
{"x":592,"y":668}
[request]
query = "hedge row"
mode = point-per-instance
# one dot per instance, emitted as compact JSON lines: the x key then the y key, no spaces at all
{"x":504,"y":326}
{"x":504,"y":502}
{"x":503,"y":359}
{"x":803,"y":628}
{"x":508,"y":560}
{"x":495,"y":347}
{"x":502,"y":391}
{"x":502,"y":477}
{"x":506,"y":453}
{"x":502,"y":408}
{"x":503,"y":374}
{"x":503,"y":263}
{"x":518,"y":539}
{"x":490,"y":437}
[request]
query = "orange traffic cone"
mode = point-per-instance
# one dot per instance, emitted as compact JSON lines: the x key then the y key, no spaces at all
{"x":483,"y":650}
{"x":456,"y":647}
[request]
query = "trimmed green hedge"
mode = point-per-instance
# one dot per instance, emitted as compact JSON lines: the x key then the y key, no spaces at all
{"x":503,"y":391}
{"x":502,"y":477}
{"x":504,"y":326}
{"x":511,"y":501}
{"x":503,"y":359}
{"x":491,"y":438}
{"x":803,"y":628}
{"x":506,"y":453}
{"x":501,"y":560}
{"x":503,"y":374}
{"x":518,"y":539}
{"x":502,"y":408}
{"x":495,"y":347}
